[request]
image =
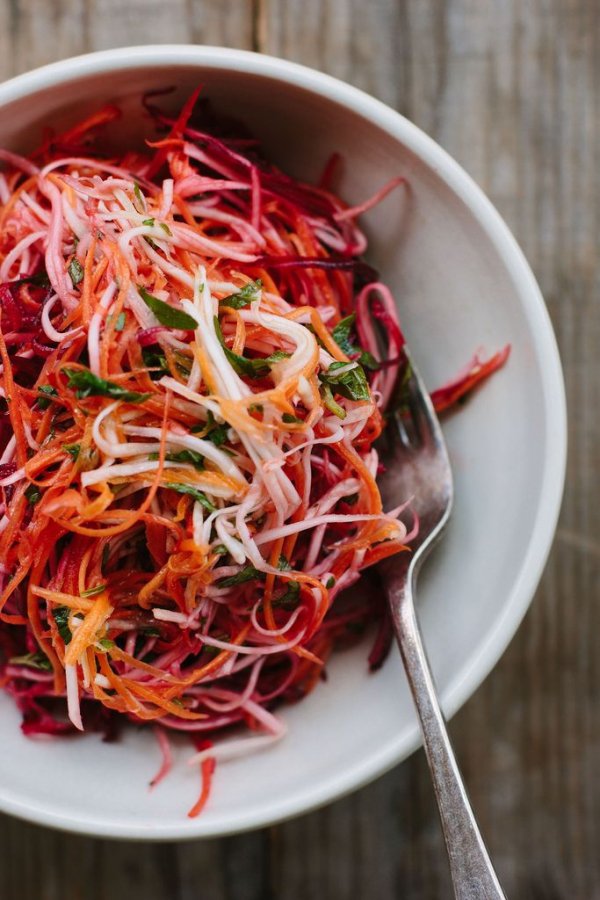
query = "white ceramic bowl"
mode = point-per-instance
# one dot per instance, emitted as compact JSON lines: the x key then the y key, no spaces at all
{"x":461,"y":283}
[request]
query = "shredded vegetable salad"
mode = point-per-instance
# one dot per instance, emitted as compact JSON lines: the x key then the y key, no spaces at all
{"x":192,"y":380}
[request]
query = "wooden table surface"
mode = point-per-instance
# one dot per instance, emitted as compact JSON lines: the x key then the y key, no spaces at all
{"x":510,"y":88}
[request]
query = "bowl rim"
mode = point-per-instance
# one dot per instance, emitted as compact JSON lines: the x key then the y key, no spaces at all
{"x":487,"y":654}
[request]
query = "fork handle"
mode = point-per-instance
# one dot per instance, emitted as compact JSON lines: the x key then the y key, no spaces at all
{"x":473,"y":874}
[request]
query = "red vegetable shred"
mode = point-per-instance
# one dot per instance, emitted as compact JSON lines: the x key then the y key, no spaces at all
{"x":195,"y":362}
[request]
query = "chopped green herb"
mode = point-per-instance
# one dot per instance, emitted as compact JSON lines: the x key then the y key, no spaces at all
{"x":76,"y":271}
{"x":368,"y":361}
{"x":351,"y":383}
{"x":193,"y":492}
{"x":40,"y":279}
{"x":332,"y":405}
{"x":47,"y":392}
{"x":61,"y":617}
{"x":72,"y":449}
{"x":155,"y":360}
{"x":216,"y":434}
{"x":289,"y":598}
{"x":86,"y":384}
{"x":288,"y":419}
{"x":168,"y":315}
{"x":139,"y":196}
{"x":165,"y":228}
{"x":33,"y":494}
{"x":37,"y":660}
{"x":283,"y":564}
{"x":105,"y":644}
{"x":341,"y":335}
{"x":120,"y":322}
{"x":183,"y":456}
{"x":150,"y":630}
{"x":252,"y":368}
{"x":148,"y":222}
{"x":220,"y":550}
{"x":244,"y":297}
{"x":247,"y":574}
{"x":330,"y":582}
{"x":91,"y":592}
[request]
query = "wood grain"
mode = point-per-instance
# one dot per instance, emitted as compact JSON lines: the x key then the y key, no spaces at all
{"x":510,"y":88}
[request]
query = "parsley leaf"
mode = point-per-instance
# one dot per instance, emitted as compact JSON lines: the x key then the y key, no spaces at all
{"x":168,"y":315}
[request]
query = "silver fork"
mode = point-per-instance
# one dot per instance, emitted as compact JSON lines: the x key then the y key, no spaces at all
{"x":416,"y":465}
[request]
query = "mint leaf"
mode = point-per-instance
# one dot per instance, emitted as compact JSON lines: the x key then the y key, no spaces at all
{"x":61,"y":617}
{"x":332,"y":405}
{"x":244,"y":297}
{"x":76,"y":272}
{"x":72,"y":449}
{"x":247,"y":574}
{"x":91,"y":592}
{"x":183,"y":456}
{"x":37,"y":660}
{"x":289,"y":598}
{"x":351,"y":383}
{"x":200,"y":496}
{"x":47,"y":392}
{"x":33,"y":494}
{"x":168,"y":315}
{"x":86,"y":384}
{"x":252,"y":368}
{"x":341,"y":335}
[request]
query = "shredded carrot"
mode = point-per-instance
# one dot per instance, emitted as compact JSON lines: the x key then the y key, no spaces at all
{"x":187,"y":430}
